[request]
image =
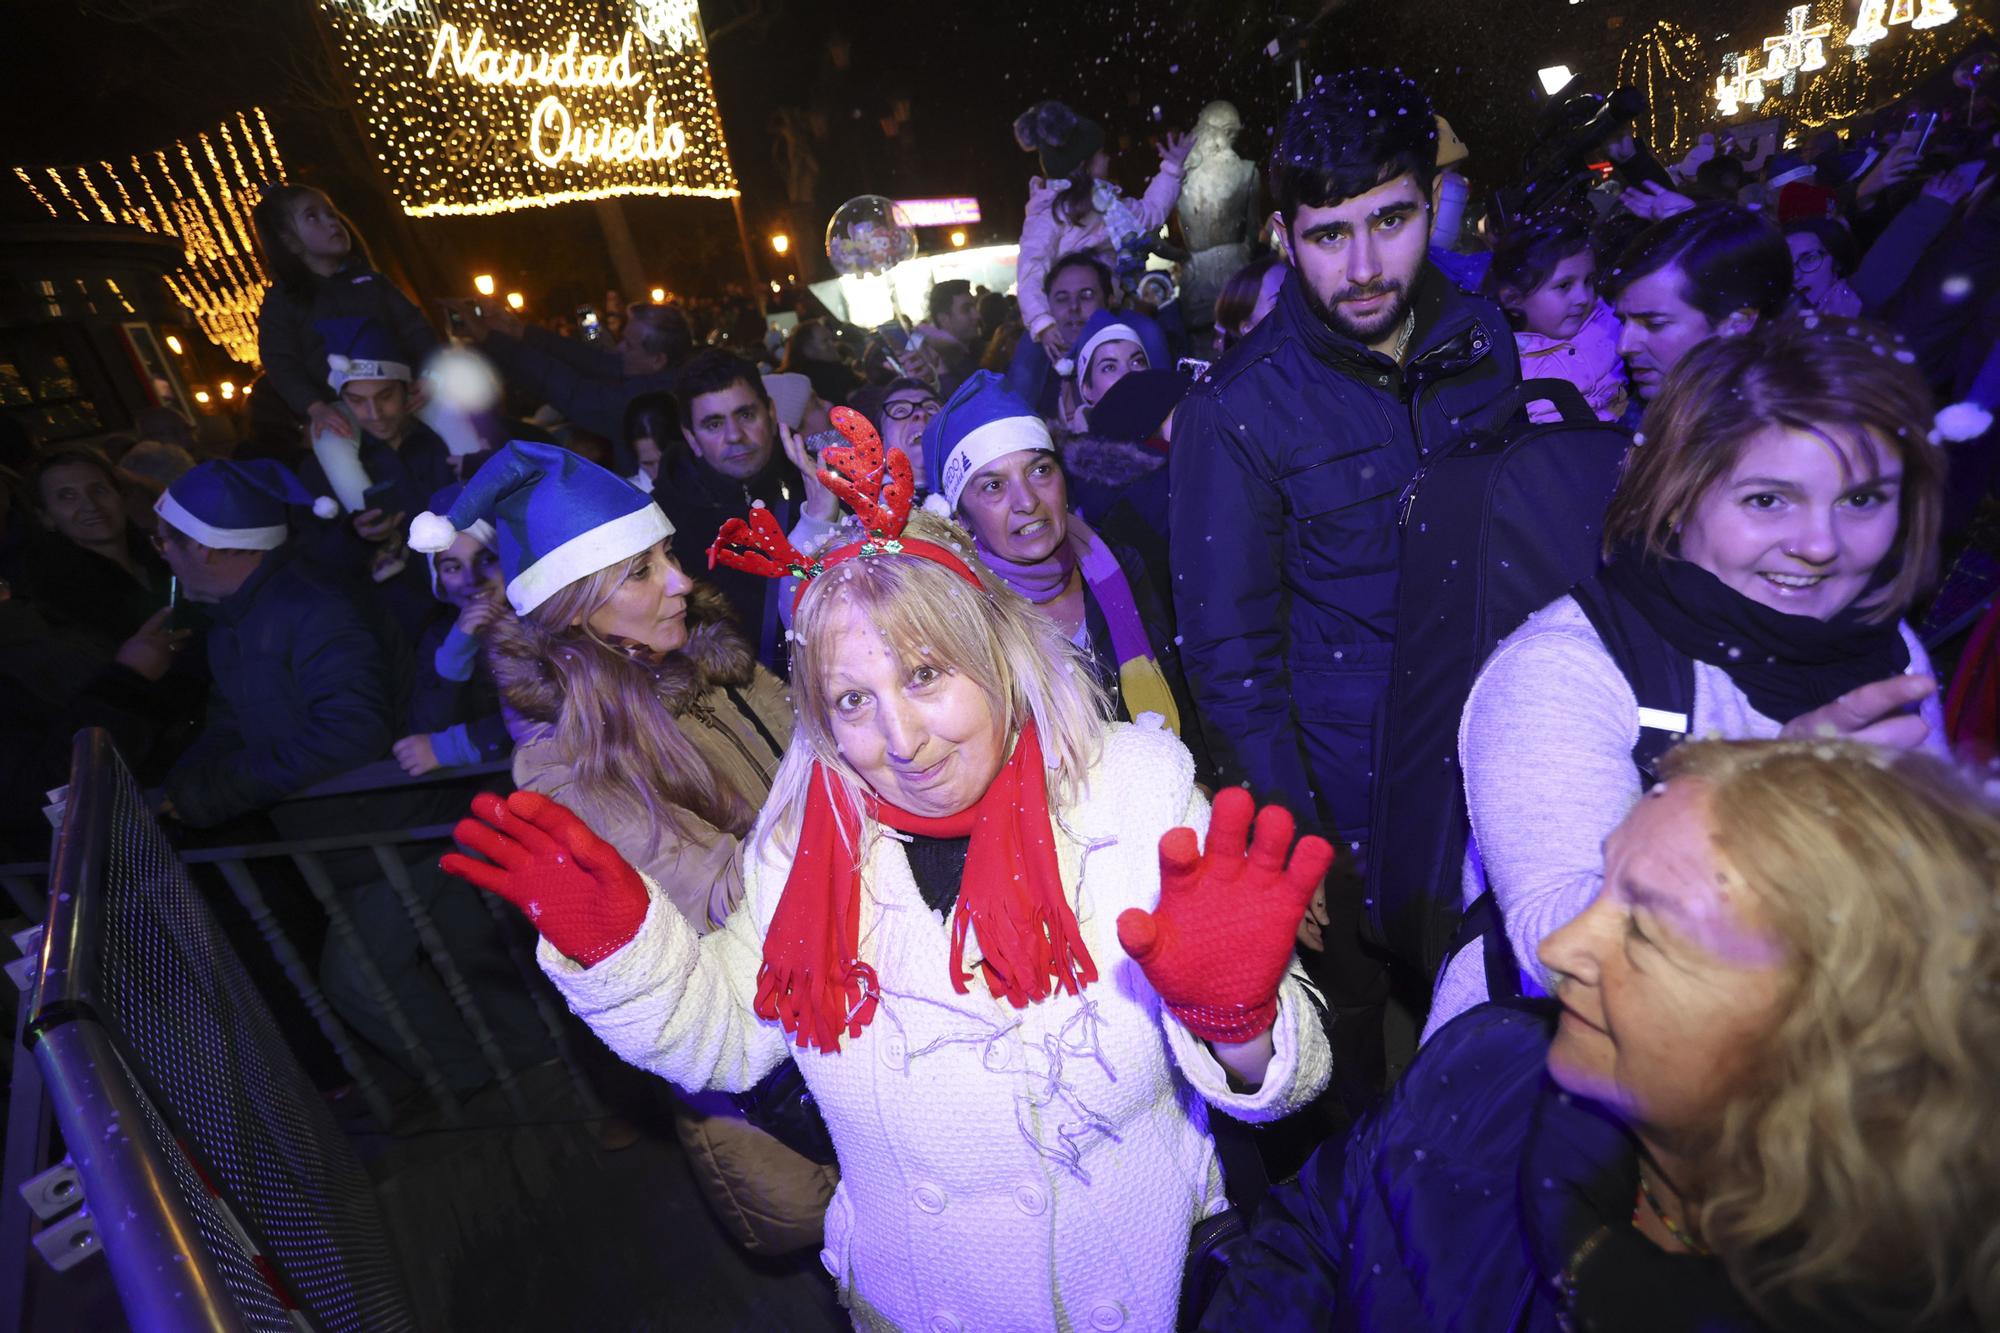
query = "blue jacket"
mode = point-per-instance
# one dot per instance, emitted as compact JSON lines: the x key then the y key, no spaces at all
{"x":303,"y":691}
{"x":1288,"y":463}
{"x":1433,"y":1215}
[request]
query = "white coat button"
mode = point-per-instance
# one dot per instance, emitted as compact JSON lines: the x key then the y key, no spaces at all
{"x":946,"y":1323}
{"x":1030,"y":1200}
{"x":894,"y":1052}
{"x":929,"y":1198}
{"x":1107,"y":1317}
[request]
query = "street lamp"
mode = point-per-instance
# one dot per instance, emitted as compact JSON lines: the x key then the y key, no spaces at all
{"x":781,"y":242}
{"x":228,"y":388}
{"x":659,"y":295}
{"x":515,"y":300}
{"x":483,"y":284}
{"x":1554,"y":79}
{"x":174,"y":345}
{"x":958,"y":240}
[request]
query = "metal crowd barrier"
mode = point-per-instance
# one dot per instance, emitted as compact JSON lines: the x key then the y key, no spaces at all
{"x":225,"y":1195}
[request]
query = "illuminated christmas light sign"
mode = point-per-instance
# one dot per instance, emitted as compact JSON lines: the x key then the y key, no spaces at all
{"x":1871,"y":25}
{"x":486,"y":106}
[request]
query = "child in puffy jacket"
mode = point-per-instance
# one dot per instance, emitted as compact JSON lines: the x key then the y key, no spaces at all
{"x":320,"y":272}
{"x":1072,"y":207}
{"x":1544,"y":275}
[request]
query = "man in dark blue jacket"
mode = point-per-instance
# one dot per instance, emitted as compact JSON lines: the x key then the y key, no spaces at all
{"x":302,"y":690}
{"x":1287,"y":465}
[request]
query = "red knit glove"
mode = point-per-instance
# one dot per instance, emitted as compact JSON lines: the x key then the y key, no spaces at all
{"x":580,"y":893}
{"x":1217,"y":948}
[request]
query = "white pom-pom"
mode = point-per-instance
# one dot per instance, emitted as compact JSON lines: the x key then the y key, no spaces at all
{"x":937,"y":504}
{"x":1065,"y":367}
{"x":326,"y":506}
{"x":431,"y":533}
{"x":1963,"y":421}
{"x":335,"y":361}
{"x":462,"y":380}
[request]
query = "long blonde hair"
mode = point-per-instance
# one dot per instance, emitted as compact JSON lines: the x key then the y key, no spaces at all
{"x":929,"y":614}
{"x":614,"y":724}
{"x":1859,"y":1171}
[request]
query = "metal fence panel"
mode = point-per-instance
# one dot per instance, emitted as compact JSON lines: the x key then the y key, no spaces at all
{"x":132,"y":946}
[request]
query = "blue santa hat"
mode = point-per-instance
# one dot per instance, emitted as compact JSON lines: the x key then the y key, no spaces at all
{"x":558,"y":518}
{"x":480,"y":531}
{"x":233,"y":506}
{"x":1107,"y":326}
{"x":983,"y":421}
{"x":359,"y":348}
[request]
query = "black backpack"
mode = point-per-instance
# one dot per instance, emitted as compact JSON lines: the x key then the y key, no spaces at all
{"x":1498,"y":525}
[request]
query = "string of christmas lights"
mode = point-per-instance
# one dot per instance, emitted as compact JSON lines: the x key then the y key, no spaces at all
{"x":1666,"y":63}
{"x":204,"y":204}
{"x":1869,"y":53}
{"x":479,"y":106}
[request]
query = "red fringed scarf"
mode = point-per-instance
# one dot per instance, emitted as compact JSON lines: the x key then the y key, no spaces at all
{"x":1011,"y":896}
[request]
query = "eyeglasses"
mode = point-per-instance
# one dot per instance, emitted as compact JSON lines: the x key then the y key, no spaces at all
{"x":903,"y":409}
{"x":1809,"y":262}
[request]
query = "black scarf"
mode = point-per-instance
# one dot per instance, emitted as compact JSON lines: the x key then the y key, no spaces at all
{"x":1786,"y":665}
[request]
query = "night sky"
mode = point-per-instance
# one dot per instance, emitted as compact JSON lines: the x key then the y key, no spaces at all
{"x":90,"y":79}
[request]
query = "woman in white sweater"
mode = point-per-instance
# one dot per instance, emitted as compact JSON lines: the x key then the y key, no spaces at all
{"x":954,"y":921}
{"x":1779,"y":513}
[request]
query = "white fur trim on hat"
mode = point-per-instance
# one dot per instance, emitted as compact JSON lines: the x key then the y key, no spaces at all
{"x":585,"y":554}
{"x":1963,"y":421}
{"x":432,"y":532}
{"x":1110,"y":333}
{"x":219,"y":539}
{"x":344,"y":368}
{"x":995,"y":439}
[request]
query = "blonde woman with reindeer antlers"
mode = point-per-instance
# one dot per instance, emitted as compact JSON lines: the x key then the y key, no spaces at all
{"x":1017,"y":959}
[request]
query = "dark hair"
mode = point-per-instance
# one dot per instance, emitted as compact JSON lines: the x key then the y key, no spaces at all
{"x":712,"y":370}
{"x":944,"y":293}
{"x":1360,"y":129}
{"x":1526,"y":254}
{"x":992,"y":310}
{"x":74,"y":456}
{"x":271,"y":219}
{"x":1719,"y":178}
{"x":795,"y":357}
{"x":1078,"y":258}
{"x":651,"y":416}
{"x":664,"y":331}
{"x":1238,"y":296}
{"x":1730,"y":259}
{"x":1833,"y":237}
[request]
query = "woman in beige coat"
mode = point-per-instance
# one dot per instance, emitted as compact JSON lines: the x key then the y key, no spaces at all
{"x":646,"y":710}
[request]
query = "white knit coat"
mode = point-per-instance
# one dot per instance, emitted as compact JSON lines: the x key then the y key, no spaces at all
{"x":1001,"y":1168}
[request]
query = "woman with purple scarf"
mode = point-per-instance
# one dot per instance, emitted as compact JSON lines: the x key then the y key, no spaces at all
{"x":998,"y":476}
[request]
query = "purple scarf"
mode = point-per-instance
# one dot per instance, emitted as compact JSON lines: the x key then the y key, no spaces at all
{"x":1140,"y":681}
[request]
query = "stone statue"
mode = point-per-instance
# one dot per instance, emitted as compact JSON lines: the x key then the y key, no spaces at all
{"x":1217,"y":207}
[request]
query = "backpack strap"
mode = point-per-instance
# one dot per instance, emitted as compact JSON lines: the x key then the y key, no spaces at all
{"x":1662,"y":680}
{"x":1661,"y":677}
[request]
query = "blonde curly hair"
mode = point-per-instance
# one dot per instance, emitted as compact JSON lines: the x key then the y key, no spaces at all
{"x":930,"y":614}
{"x":1859,"y":1172}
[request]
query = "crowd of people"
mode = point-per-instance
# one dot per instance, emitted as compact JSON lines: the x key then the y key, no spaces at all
{"x":982,"y":722}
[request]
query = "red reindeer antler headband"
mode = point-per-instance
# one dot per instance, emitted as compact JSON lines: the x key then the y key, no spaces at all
{"x":855,"y":472}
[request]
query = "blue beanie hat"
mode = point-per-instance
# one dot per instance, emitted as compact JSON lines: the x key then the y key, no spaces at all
{"x":983,"y":421}
{"x":358,"y":347}
{"x":557,"y":516}
{"x":233,"y":506}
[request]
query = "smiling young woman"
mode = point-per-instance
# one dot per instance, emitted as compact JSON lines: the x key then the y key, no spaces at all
{"x":1777,"y":517}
